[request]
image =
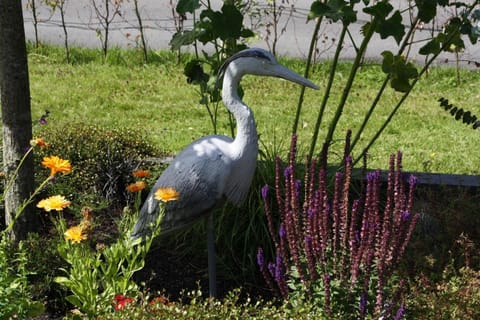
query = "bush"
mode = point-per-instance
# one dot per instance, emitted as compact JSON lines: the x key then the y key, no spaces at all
{"x":102,"y":159}
{"x":457,"y":296}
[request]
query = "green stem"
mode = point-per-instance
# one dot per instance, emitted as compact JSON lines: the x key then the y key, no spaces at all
{"x":400,"y":102}
{"x":307,"y":72}
{"x":348,"y":85}
{"x":11,"y":178}
{"x":326,"y":95}
{"x":25,"y":203}
{"x":382,"y":88}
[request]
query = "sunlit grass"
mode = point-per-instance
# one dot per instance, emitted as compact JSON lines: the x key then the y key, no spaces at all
{"x":123,"y":92}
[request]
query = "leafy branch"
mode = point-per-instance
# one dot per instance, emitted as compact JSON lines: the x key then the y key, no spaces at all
{"x":224,"y":31}
{"x":400,"y":74}
{"x":460,"y":114}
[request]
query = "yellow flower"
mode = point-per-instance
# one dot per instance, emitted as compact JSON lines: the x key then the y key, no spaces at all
{"x":53,"y":203}
{"x":141,"y":173}
{"x":75,"y":234}
{"x":38,"y":142}
{"x":137,"y":186}
{"x":56,"y":164}
{"x":166,"y":194}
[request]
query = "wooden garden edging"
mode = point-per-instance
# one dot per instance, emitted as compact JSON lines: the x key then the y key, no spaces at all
{"x":425,"y":178}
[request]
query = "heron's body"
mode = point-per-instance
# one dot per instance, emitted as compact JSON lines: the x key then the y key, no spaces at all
{"x":195,"y":175}
{"x":215,"y":167}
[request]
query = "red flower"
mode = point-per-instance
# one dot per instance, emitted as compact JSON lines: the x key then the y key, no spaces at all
{"x":160,"y":300}
{"x":121,"y":301}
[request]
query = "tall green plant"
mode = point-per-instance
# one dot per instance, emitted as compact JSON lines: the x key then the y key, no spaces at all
{"x":401,"y":74}
{"x":224,"y":31}
{"x":15,"y":291}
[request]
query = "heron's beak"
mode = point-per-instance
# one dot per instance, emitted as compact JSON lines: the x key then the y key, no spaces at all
{"x":287,"y":74}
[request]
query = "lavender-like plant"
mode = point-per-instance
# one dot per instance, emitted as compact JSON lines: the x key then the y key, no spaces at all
{"x":336,"y":250}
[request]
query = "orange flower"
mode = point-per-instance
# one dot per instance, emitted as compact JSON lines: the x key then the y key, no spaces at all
{"x":38,"y":142}
{"x":141,"y":173}
{"x":57,"y":203}
{"x":75,"y":234}
{"x":137,"y":186}
{"x":56,"y":164}
{"x":166,"y":194}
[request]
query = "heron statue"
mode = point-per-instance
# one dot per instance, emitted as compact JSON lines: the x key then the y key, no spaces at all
{"x":215,"y":167}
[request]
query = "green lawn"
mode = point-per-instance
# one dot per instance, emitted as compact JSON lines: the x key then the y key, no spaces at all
{"x":156,"y":98}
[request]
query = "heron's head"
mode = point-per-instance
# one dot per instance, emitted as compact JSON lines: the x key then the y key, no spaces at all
{"x":260,"y":62}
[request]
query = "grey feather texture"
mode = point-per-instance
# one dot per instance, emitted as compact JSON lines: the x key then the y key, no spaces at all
{"x":215,"y":167}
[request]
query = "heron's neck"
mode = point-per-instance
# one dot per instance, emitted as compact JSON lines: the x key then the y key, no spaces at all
{"x":246,"y":128}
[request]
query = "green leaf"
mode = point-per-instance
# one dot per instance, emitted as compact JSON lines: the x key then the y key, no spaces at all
{"x":231,"y":22}
{"x":334,"y":10}
{"x":380,"y":10}
{"x":318,"y":9}
{"x":427,"y":9}
{"x":400,"y":71}
{"x":225,"y":24}
{"x":387,"y":61}
{"x":432,"y":47}
{"x":62,"y":280}
{"x":392,"y":27}
{"x":35,"y":309}
{"x":194,"y":72}
{"x":454,"y":36}
{"x":75,"y":301}
{"x":184,"y":6}
{"x":183,"y":38}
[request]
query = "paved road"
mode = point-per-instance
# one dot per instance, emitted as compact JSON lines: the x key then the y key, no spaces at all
{"x":157,"y":15}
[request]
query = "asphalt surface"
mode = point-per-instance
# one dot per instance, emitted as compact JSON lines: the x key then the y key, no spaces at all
{"x":294,"y":40}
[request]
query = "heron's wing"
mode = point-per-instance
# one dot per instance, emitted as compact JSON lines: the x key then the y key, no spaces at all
{"x":198,"y":174}
{"x":240,"y":178}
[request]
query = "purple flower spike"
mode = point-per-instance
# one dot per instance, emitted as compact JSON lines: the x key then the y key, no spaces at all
{"x":282,"y":232}
{"x":308,"y":241}
{"x":363,"y":303}
{"x":265,"y":189}
{"x":405,"y":215}
{"x":288,"y":171}
{"x":311,"y":212}
{"x":413,"y":180}
{"x":271,"y":268}
{"x":400,"y":312}
{"x":279,"y":269}
{"x":298,"y":184}
{"x":373,"y":176}
{"x":260,"y":258}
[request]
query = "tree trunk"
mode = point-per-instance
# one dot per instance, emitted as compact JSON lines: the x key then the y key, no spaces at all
{"x":16,"y":117}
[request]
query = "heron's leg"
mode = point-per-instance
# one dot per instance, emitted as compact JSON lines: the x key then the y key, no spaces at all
{"x":212,"y":267}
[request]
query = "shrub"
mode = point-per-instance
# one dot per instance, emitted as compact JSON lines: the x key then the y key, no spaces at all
{"x":456,"y":296}
{"x":103,"y":160}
